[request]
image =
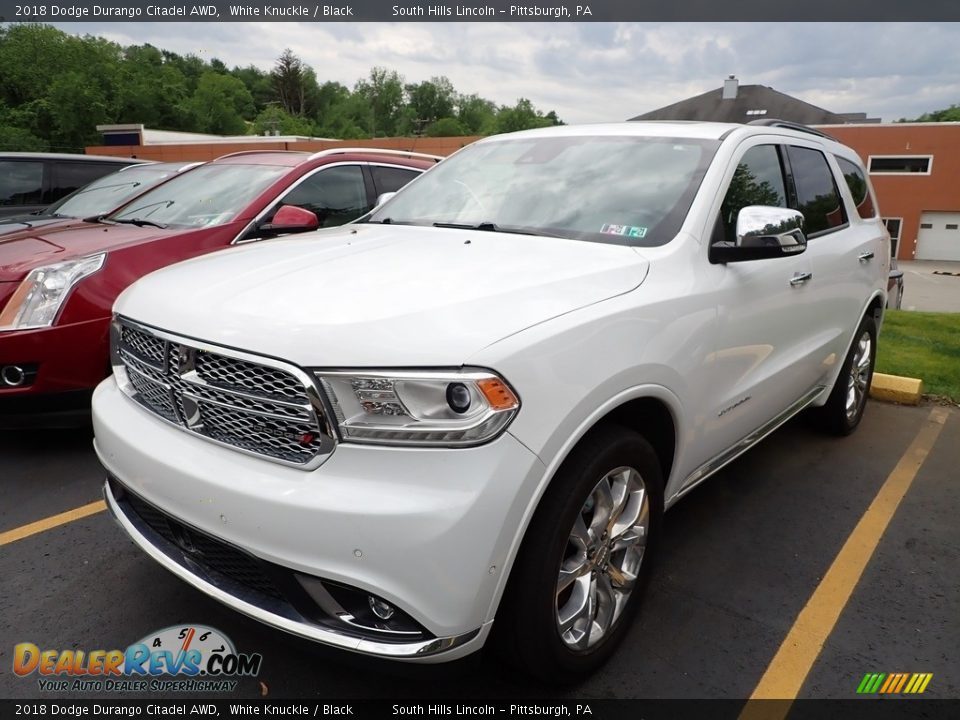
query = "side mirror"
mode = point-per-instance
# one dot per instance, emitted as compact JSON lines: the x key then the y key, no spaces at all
{"x":291,"y":219}
{"x":383,"y":197}
{"x":762,"y":232}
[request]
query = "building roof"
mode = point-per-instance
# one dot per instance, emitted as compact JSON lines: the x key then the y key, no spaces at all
{"x":149,"y":136}
{"x":736,"y":103}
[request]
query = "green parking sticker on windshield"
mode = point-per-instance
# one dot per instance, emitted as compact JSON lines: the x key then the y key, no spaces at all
{"x":625,"y":230}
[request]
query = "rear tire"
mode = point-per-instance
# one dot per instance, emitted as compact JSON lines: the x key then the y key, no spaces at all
{"x":579,"y":576}
{"x":844,"y":408}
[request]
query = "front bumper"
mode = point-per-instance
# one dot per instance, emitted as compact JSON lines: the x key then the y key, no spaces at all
{"x":66,"y":358}
{"x":428,"y":530}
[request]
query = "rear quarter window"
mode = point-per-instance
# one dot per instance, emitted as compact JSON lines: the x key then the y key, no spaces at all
{"x":21,"y":182}
{"x":390,"y":179}
{"x":857,"y":182}
{"x":817,"y":195}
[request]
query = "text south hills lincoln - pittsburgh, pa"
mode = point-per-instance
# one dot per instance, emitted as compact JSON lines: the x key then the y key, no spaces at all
{"x":479,"y":10}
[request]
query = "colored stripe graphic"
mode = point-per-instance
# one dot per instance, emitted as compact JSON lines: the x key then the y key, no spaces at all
{"x":894,"y":683}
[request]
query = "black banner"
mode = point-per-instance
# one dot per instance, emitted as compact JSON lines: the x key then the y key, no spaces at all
{"x":477,"y":11}
{"x":865,"y":709}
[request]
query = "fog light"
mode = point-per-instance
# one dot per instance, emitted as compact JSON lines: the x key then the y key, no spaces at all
{"x":458,"y":397}
{"x":381,"y":609}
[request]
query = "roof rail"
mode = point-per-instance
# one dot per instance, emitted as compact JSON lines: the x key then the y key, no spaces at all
{"x":375,"y":151}
{"x":788,"y":125}
{"x":260,"y":152}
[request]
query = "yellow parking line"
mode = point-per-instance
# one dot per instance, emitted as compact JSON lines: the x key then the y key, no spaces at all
{"x":790,"y":666}
{"x":25,"y":531}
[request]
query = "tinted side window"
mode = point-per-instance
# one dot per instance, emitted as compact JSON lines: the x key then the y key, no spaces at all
{"x":817,"y":196}
{"x":337,"y":195}
{"x":758,"y":180}
{"x":21,"y":182}
{"x":391,"y":179}
{"x":858,"y":188}
{"x":68,"y":177}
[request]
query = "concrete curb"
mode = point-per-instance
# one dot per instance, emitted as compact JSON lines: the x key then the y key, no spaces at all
{"x":893,"y":388}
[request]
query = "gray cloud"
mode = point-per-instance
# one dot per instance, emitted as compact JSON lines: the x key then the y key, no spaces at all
{"x":601,"y":72}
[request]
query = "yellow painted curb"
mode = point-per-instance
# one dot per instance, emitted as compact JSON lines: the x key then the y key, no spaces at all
{"x":893,"y":388}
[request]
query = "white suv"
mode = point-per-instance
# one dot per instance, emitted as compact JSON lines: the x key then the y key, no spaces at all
{"x":466,"y":413}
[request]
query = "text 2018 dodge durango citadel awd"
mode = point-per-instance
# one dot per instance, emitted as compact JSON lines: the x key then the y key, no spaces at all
{"x":462,"y":417}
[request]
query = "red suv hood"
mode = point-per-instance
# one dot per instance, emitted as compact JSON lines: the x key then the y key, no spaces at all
{"x":22,"y":251}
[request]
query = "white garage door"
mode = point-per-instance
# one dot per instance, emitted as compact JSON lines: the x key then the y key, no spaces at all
{"x":939,"y":237}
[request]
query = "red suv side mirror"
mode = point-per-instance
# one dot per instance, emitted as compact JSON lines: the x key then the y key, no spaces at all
{"x":291,"y":219}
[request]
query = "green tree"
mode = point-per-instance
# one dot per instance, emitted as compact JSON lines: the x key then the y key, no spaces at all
{"x":76,"y":105}
{"x":383,"y":93}
{"x":259,"y":83}
{"x":522,"y":116}
{"x":431,"y":99}
{"x":289,"y":82}
{"x":446,"y":127}
{"x":476,"y":114}
{"x":275,"y":118}
{"x":219,"y":105}
{"x":950,"y":114}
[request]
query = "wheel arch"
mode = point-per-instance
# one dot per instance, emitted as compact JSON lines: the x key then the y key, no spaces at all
{"x":651,"y":410}
{"x":875,"y":305}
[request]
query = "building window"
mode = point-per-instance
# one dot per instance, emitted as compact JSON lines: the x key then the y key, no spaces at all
{"x":926,"y":226}
{"x":951,"y":226}
{"x":900,"y":164}
{"x":893,"y":227}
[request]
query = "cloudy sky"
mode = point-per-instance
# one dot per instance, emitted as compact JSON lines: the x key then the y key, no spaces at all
{"x":598,"y":72}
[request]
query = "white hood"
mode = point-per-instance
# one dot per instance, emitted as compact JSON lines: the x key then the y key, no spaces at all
{"x":380,"y":295}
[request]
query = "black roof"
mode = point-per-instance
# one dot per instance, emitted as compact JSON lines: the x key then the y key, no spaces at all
{"x":745,"y":106}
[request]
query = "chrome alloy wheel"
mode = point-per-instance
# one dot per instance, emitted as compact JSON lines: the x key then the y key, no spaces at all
{"x":859,"y":375}
{"x":602,"y":560}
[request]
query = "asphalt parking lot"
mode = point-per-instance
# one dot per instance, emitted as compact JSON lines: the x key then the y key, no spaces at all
{"x":931,"y":285}
{"x":738,"y":603}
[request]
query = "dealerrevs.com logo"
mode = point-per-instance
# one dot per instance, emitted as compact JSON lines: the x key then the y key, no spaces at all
{"x":186,"y":658}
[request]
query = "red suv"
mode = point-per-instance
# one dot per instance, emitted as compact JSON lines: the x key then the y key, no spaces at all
{"x":57,"y":287}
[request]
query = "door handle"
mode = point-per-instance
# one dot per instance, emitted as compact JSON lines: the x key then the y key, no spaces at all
{"x":865,"y":257}
{"x":800,"y":278}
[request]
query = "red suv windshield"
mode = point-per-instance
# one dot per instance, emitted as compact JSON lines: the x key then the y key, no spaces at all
{"x":210,"y":195}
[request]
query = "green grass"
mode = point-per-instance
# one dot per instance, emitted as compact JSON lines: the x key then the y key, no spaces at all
{"x":922,"y":345}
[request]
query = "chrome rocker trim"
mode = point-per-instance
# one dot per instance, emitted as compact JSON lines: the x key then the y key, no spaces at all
{"x":192,"y":574}
{"x":732,"y":453}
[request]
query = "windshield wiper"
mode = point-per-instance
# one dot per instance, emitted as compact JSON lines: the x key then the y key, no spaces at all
{"x":488,"y":226}
{"x":390,"y":221}
{"x":140,"y":222}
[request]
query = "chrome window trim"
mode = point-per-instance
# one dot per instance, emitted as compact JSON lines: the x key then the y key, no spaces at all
{"x":317,"y":403}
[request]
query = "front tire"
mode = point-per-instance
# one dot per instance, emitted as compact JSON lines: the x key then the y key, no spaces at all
{"x":844,"y":408}
{"x":579,"y":576}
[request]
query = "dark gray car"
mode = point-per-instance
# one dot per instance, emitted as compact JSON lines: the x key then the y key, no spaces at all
{"x":31,"y":181}
{"x":100,"y":197}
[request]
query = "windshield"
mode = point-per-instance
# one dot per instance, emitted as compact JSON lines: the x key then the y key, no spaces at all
{"x":614,"y":189}
{"x":111,"y":191}
{"x":209,"y":195}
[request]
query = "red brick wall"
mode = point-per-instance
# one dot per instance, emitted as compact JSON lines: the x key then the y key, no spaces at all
{"x":907,"y":196}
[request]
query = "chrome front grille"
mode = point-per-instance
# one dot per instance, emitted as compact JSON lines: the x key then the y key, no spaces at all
{"x":256,"y":405}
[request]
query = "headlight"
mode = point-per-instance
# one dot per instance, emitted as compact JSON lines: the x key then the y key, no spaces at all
{"x":419,"y":408}
{"x":37,"y":301}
